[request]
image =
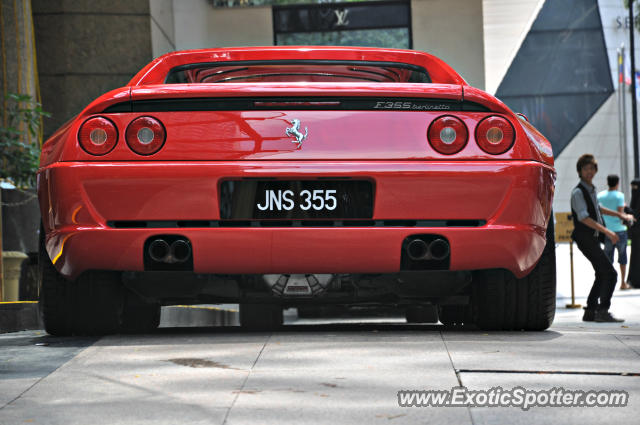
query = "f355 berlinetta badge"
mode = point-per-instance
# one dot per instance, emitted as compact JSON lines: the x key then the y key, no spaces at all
{"x":295,"y":132}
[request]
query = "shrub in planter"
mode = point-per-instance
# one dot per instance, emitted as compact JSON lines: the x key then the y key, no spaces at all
{"x":18,"y":158}
{"x":21,"y":118}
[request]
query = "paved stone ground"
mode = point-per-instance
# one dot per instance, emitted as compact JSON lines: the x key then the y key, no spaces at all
{"x":322,"y":371}
{"x":346,"y":373}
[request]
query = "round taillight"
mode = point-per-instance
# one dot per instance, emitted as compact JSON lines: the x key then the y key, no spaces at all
{"x":145,"y":135}
{"x":448,"y":135}
{"x":98,"y":135}
{"x":495,"y":135}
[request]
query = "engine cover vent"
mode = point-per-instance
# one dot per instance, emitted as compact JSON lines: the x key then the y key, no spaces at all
{"x":298,"y":285}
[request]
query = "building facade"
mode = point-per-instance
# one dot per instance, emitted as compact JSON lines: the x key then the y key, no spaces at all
{"x":554,"y":60}
{"x":563,"y":73}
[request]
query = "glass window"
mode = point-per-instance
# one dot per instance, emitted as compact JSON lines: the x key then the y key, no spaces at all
{"x":394,"y":38}
{"x":374,"y":24}
{"x":298,"y":71}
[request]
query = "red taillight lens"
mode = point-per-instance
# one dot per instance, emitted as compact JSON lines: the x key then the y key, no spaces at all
{"x":448,"y":135}
{"x":98,"y":136}
{"x":145,"y":135}
{"x":495,"y":135}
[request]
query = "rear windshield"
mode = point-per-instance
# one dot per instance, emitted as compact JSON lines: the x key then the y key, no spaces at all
{"x":298,"y":71}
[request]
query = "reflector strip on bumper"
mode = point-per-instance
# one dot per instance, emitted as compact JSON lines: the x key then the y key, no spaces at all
{"x":155,"y":224}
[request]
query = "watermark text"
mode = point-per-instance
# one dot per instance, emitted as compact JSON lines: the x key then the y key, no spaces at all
{"x":514,"y":397}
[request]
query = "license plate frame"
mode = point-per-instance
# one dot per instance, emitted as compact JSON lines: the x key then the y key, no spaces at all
{"x":272,"y":199}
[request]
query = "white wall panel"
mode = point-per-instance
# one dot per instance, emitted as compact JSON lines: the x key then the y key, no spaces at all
{"x":452,"y":31}
{"x":598,"y":137}
{"x":162,"y":27}
{"x":601,"y":135}
{"x":506,"y":23}
{"x":198,"y":25}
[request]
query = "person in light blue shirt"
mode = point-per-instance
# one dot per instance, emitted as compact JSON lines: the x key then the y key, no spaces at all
{"x":613,"y":199}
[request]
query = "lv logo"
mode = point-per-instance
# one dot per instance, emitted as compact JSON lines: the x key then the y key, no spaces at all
{"x":341,"y":16}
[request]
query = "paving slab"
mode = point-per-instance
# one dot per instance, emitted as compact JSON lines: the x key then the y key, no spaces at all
{"x":29,"y":356}
{"x":541,"y":351}
{"x":12,"y":388}
{"x":631,"y":341}
{"x":33,"y":354}
{"x":345,"y":377}
{"x":160,"y":379}
{"x":343,"y":397}
{"x":228,"y":351}
{"x":556,"y":415}
{"x":115,"y":412}
{"x":353,"y":350}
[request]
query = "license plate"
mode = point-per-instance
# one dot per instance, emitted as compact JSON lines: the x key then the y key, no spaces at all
{"x":296,"y":199}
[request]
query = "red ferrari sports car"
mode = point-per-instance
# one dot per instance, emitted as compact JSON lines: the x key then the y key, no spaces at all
{"x":275,"y":177}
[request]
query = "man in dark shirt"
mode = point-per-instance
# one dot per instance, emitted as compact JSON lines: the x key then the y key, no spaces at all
{"x":588,"y":230}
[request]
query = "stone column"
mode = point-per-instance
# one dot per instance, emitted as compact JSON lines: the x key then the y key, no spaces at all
{"x":17,"y":53}
{"x":86,"y":48}
{"x":18,"y":74}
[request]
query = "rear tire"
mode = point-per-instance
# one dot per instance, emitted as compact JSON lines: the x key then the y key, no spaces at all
{"x":261,"y":317}
{"x":455,"y":315}
{"x":54,"y":296}
{"x":139,"y":316}
{"x":91,"y":305}
{"x":98,"y":303}
{"x":503,"y":302}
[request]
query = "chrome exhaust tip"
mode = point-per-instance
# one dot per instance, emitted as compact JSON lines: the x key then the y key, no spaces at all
{"x":180,"y":251}
{"x":159,"y":250}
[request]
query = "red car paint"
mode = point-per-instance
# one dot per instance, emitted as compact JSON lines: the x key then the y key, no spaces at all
{"x":510,"y":193}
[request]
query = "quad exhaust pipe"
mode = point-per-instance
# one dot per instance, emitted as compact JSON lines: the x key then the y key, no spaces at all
{"x":180,"y":250}
{"x":161,"y":251}
{"x":437,"y":249}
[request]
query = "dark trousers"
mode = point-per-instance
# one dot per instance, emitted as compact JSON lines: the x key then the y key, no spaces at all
{"x":634,"y":262}
{"x":606,"y":276}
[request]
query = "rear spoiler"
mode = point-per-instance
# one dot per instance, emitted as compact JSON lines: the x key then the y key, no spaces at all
{"x":157,"y":71}
{"x":276,"y":96}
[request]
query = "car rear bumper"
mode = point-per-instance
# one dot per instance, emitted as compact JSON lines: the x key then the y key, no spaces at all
{"x":510,"y":200}
{"x":286,"y":250}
